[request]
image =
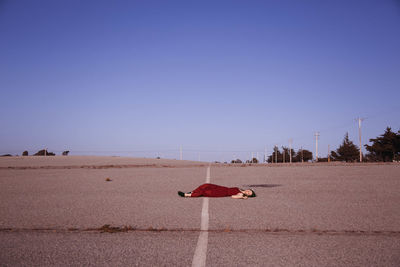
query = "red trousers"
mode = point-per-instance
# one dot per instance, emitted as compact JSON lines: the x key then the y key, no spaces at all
{"x":213,"y":190}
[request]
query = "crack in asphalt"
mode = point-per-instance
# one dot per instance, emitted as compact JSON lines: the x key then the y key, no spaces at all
{"x":119,"y":166}
{"x":124,"y":229}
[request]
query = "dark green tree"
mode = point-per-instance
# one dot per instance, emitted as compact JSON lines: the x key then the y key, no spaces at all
{"x":347,"y":151}
{"x":303,"y":155}
{"x":397,"y":145}
{"x":320,"y":159}
{"x":276,"y":155}
{"x":385,"y":147}
{"x":286,"y":154}
{"x":44,"y":152}
{"x":253,"y":160}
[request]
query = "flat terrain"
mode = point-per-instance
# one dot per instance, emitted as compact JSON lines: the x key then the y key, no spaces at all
{"x":53,"y":211}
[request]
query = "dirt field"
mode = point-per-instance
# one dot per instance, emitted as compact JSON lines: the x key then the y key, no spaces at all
{"x":53,"y":211}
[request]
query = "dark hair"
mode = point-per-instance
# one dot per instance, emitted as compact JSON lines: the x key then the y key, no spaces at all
{"x":252,"y":195}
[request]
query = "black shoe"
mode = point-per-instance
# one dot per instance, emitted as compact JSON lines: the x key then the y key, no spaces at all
{"x":181,"y":194}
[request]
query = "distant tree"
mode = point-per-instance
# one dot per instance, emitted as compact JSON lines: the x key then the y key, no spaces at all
{"x":44,"y":152}
{"x":253,"y":160}
{"x":303,"y":155}
{"x":275,"y":155}
{"x":236,"y":161}
{"x":25,"y":153}
{"x":335,"y":156}
{"x":347,"y":151}
{"x":65,"y":153}
{"x":385,"y":147}
{"x":286,"y":154}
{"x":6,"y":155}
{"x":322,"y":159}
{"x":397,"y":146}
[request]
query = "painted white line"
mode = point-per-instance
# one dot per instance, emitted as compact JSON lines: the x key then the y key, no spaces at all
{"x":204,"y":215}
{"x":200,"y":254}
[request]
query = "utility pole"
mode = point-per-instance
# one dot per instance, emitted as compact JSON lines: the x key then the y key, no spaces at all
{"x":359,"y":134}
{"x":290,"y":149}
{"x":265,"y":154}
{"x":276,"y":153}
{"x":180,"y":152}
{"x":316,"y":145}
{"x":302,"y":159}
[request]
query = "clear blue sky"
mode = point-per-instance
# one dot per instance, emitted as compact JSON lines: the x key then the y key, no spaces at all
{"x":217,"y":77}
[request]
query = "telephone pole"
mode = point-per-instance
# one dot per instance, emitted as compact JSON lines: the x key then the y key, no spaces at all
{"x":359,"y":134}
{"x":180,"y":152}
{"x":290,"y":149}
{"x":265,"y":154}
{"x":316,"y":145}
{"x":302,"y":159}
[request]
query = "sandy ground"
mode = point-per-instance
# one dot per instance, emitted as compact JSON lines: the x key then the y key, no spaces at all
{"x":304,"y":215}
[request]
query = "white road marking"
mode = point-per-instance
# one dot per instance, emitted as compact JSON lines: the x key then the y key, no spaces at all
{"x":200,"y":254}
{"x":204,"y":215}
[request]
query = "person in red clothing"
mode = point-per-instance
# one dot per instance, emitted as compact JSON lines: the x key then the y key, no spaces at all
{"x":213,"y":190}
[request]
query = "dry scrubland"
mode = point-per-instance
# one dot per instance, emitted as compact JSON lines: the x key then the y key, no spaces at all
{"x":313,"y":214}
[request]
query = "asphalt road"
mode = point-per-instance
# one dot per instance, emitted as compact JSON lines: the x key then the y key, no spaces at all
{"x":303,"y":215}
